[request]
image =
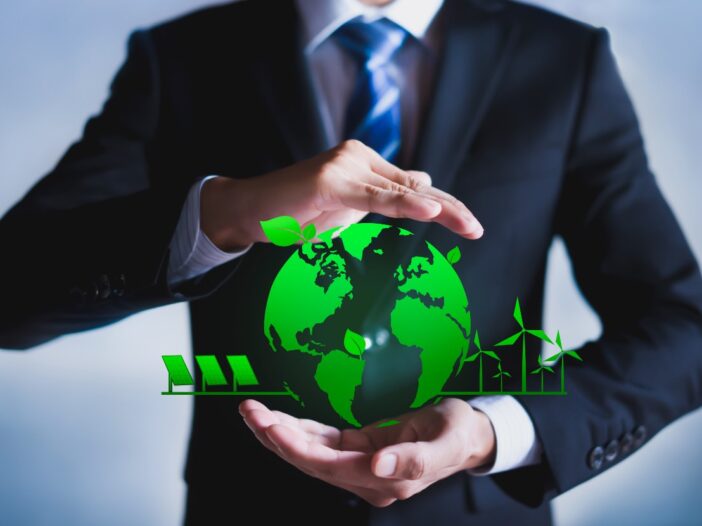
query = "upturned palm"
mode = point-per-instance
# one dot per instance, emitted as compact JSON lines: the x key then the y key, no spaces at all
{"x":501,"y":374}
{"x":479,"y":356}
{"x":540,"y":370}
{"x":560,"y":355}
{"x":521,"y":333}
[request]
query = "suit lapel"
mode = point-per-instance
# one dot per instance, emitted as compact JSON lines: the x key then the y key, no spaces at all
{"x":286,"y":84}
{"x":476,"y":47}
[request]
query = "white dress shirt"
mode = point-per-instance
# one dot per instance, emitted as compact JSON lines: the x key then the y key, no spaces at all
{"x":333,"y":72}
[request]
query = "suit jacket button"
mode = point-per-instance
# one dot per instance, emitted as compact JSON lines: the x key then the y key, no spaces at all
{"x":118,"y":285}
{"x":640,"y":435}
{"x":626,"y":442}
{"x":103,"y":286}
{"x":595,"y":458}
{"x":611,"y":450}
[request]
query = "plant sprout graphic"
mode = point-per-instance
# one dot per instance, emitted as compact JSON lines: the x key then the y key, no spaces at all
{"x":354,"y":343}
{"x":479,"y":356}
{"x":521,"y":333}
{"x":285,"y":231}
{"x":540,"y":370}
{"x":501,"y":375}
{"x":561,"y":354}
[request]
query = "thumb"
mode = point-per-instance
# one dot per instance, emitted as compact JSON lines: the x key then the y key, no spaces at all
{"x":408,"y":460}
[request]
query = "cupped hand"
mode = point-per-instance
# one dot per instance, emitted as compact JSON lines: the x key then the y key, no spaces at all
{"x":379,"y":464}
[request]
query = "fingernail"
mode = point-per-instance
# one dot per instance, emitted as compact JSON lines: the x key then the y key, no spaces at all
{"x":386,"y":465}
{"x":435,"y":207}
{"x":473,"y":225}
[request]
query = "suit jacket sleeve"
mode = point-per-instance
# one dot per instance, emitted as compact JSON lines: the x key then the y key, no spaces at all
{"x":88,"y":244}
{"x":635,"y":268}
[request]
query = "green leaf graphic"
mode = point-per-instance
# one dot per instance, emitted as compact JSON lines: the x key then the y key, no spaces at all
{"x":326,"y":236}
{"x":309,"y":232}
{"x":454,"y":255}
{"x":354,"y":343}
{"x":282,"y":231}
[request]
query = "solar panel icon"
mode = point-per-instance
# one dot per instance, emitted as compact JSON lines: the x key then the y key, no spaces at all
{"x":178,"y":372}
{"x":212,"y":374}
{"x":242,"y":372}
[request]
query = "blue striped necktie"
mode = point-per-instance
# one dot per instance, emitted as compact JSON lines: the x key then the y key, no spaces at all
{"x":373,"y":113}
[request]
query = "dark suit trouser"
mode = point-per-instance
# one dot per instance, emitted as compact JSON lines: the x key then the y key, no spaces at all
{"x":483,"y":504}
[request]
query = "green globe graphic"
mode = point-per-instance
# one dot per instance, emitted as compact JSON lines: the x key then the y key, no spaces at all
{"x":382,"y":332}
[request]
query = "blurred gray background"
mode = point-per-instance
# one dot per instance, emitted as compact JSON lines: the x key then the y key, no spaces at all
{"x":85,"y":437}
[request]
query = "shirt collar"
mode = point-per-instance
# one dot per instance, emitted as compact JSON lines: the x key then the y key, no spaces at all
{"x":320,"y":18}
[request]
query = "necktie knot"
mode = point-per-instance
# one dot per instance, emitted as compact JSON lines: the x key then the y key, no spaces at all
{"x":371,"y":43}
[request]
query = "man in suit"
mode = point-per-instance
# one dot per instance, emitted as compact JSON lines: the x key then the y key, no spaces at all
{"x":238,"y":113}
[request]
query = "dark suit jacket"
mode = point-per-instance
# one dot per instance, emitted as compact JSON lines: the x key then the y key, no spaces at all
{"x":530,"y":125}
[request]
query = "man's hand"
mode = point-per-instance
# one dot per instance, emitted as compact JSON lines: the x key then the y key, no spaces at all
{"x":380,"y":464}
{"x":335,"y":188}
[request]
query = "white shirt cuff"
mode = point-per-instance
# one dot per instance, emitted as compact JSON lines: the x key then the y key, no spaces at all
{"x":515,"y":437}
{"x":192,"y":252}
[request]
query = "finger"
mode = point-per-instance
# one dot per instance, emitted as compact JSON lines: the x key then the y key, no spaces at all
{"x":327,"y":435}
{"x":374,"y":497}
{"x":258,"y":427}
{"x":257,"y":418}
{"x":396,"y":202}
{"x":454,"y":214}
{"x":249,"y":404}
{"x":353,"y":467}
{"x":417,"y":460}
{"x":423,"y":177}
{"x":375,"y":161}
{"x":404,"y":461}
{"x":356,"y":440}
{"x":412,"y":179}
{"x":382,"y":437}
{"x":268,"y":444}
{"x":259,"y":433}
